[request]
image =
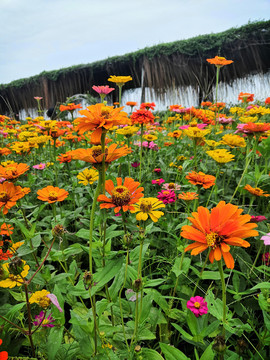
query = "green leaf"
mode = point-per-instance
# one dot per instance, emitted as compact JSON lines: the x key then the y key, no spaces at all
{"x":208,"y":354}
{"x":149,"y":354}
{"x":212,"y":275}
{"x":215,"y":306}
{"x":154,"y":282}
{"x":171,"y":353}
{"x":183,"y":332}
{"x":54,"y":341}
{"x":263,"y":285}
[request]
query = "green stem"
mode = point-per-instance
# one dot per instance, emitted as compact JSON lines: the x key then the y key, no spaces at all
{"x":223,"y":294}
{"x":256,"y":258}
{"x":29,"y":321}
{"x":141,"y":149}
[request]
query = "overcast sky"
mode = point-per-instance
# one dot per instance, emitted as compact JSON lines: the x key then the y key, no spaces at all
{"x":38,"y":35}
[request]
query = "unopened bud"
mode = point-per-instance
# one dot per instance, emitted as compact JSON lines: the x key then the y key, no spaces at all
{"x":219,"y":344}
{"x":16,"y":266}
{"x":4,"y":274}
{"x":58,"y":230}
{"x":88,"y":280}
{"x":137,"y":285}
{"x":127,"y":239}
{"x":241,"y":347}
{"x":137,"y":348}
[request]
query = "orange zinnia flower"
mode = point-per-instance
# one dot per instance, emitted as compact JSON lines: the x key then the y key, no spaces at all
{"x":219,"y":61}
{"x":94,"y":155}
{"x":200,"y":178}
{"x":6,"y":229}
{"x":52,"y":194}
{"x":256,"y":127}
{"x":5,"y":151}
{"x":188,"y":196}
{"x":142,"y":116}
{"x":245,"y":97}
{"x":217,"y":230}
{"x":13,"y":171}
{"x":9,"y":194}
{"x":256,"y":191}
{"x":64,"y":158}
{"x":70,"y":107}
{"x":98,"y":117}
{"x":122,"y":196}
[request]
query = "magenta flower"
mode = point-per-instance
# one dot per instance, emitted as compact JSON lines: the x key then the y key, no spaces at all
{"x":199,"y":126}
{"x":266,"y":258}
{"x":135,"y":164}
{"x":256,"y":219}
{"x":157,"y":170}
{"x":266,"y":239}
{"x":167,"y":196}
{"x":197,"y":305}
{"x":40,"y":166}
{"x":40,"y":320}
{"x":158,"y":181}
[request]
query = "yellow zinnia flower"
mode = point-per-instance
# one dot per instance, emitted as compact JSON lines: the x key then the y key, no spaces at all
{"x":221,"y":156}
{"x":233,"y":140}
{"x":40,"y":298}
{"x":88,"y":176}
{"x":119,"y":80}
{"x":14,"y":280}
{"x":148,"y":207}
{"x":127,"y":131}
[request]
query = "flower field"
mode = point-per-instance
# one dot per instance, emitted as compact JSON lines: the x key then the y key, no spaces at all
{"x":136,"y":234}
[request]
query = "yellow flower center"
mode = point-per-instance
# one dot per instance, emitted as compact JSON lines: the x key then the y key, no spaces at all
{"x":197,"y":305}
{"x":3,"y":196}
{"x":44,"y":302}
{"x":145,"y":206}
{"x":171,"y":186}
{"x":120,"y":195}
{"x":53,"y":195}
{"x":212,"y":240}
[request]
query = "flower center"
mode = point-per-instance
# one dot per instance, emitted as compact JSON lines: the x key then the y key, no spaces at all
{"x":3,"y":196}
{"x":53,"y":195}
{"x":97,"y":151}
{"x":171,"y":186}
{"x":212,"y":240}
{"x":121,"y":195}
{"x":197,"y":305}
{"x":145,"y":206}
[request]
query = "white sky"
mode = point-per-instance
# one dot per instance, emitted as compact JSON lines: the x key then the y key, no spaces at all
{"x":38,"y":35}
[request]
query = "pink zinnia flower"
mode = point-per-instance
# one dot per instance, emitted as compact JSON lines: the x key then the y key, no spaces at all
{"x":224,"y":120}
{"x":171,"y":186}
{"x":157,"y":170}
{"x":2,"y":180}
{"x":158,"y":181}
{"x":197,"y":305}
{"x":266,"y":239}
{"x":104,"y":90}
{"x":55,"y":302}
{"x":199,"y":126}
{"x":40,"y":320}
{"x":40,"y":166}
{"x":256,"y":219}
{"x":38,"y":98}
{"x":167,"y":196}
{"x":153,"y":146}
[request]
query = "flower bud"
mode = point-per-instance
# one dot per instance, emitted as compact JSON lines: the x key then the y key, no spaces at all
{"x":137,"y":348}
{"x":137,"y":285}
{"x":16,"y":266}
{"x":127,"y":239}
{"x":4,"y":274}
{"x":88,"y":280}
{"x":58,"y":230}
{"x":241,"y":347}
{"x":219,"y":344}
